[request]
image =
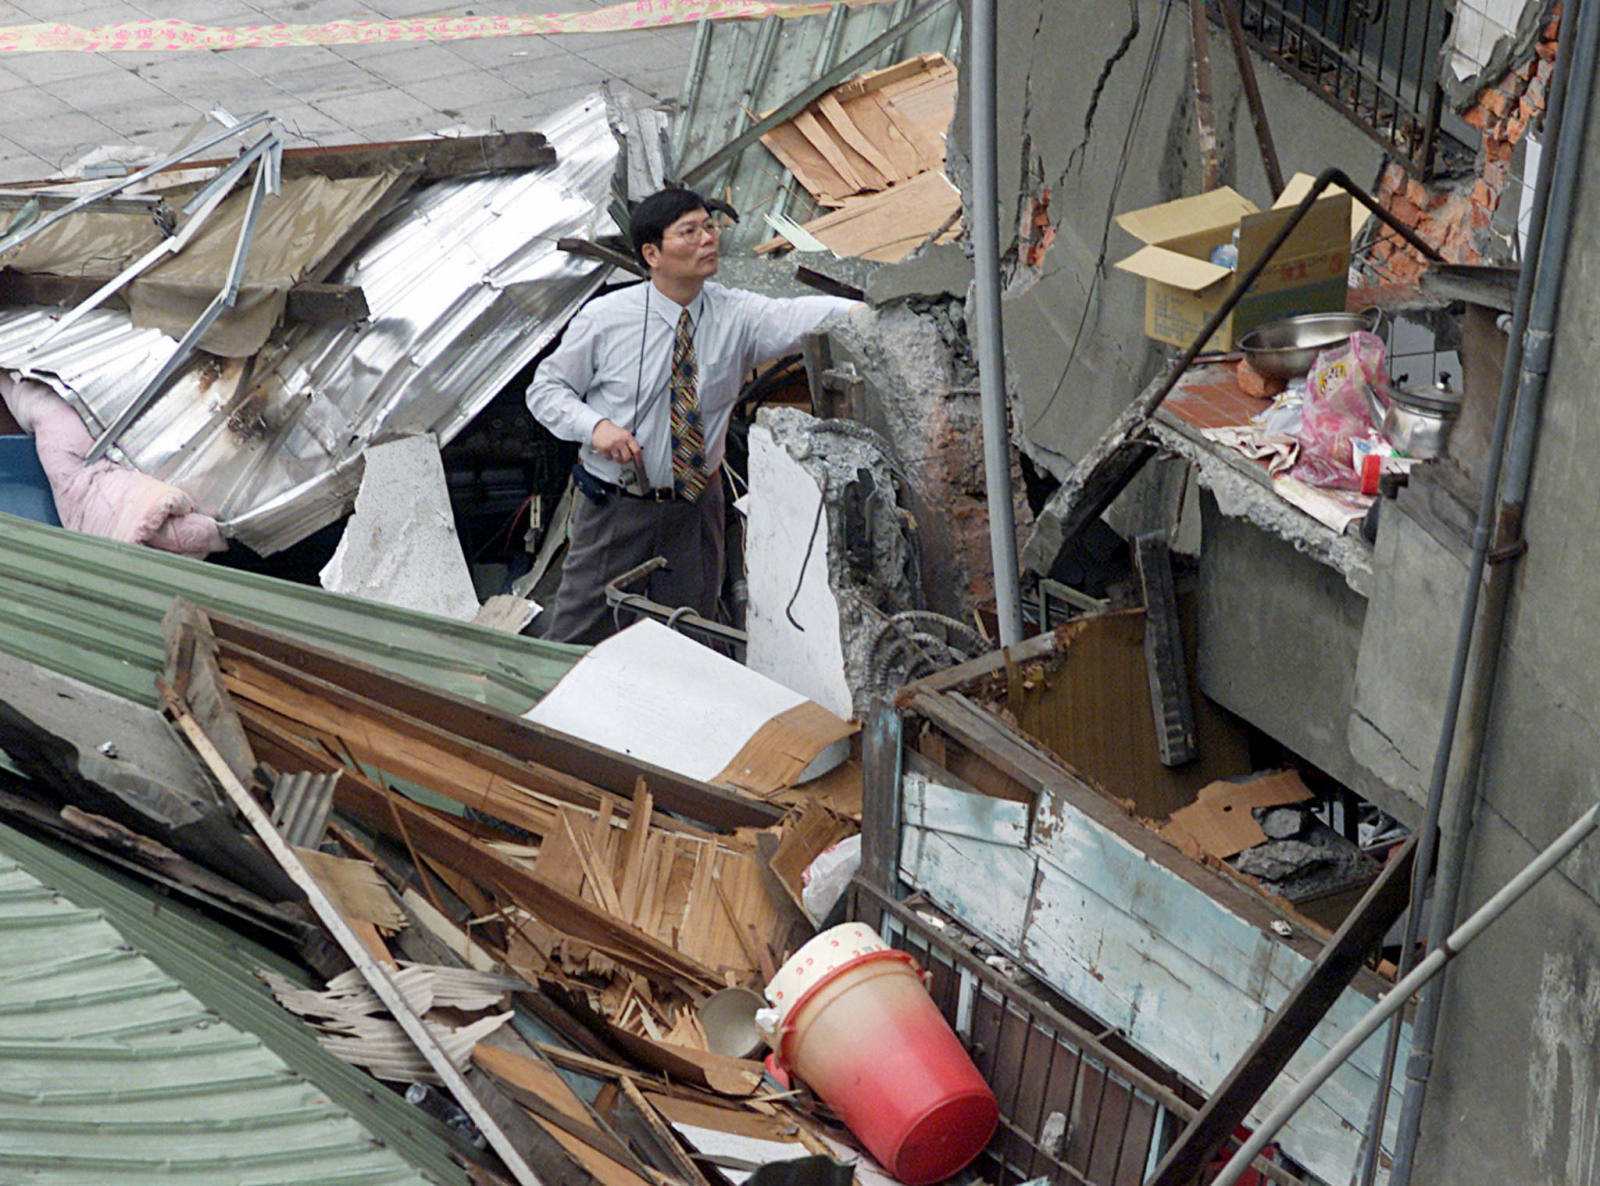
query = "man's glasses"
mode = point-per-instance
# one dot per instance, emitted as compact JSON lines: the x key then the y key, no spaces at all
{"x":695,"y":231}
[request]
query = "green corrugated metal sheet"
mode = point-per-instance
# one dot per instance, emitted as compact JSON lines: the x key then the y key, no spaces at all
{"x":136,"y":1046}
{"x":91,"y":608}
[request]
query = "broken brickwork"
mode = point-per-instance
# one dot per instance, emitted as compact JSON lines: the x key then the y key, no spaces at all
{"x":1456,"y":216}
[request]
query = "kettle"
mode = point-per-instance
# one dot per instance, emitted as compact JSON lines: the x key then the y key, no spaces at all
{"x":1417,"y":420}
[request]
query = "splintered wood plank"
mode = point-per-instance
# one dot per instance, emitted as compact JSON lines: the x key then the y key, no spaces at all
{"x":558,"y":862}
{"x":463,"y":887}
{"x":831,"y":150}
{"x":843,"y":126}
{"x":596,"y":876}
{"x":679,"y":883}
{"x":354,"y":887}
{"x":695,"y":934}
{"x":633,"y":852}
{"x":400,"y":753}
{"x":443,"y":837}
{"x":905,"y":155}
{"x":666,"y":857}
{"x":372,"y":941}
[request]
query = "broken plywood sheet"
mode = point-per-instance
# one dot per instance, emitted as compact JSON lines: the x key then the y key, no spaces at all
{"x":355,"y":888}
{"x":401,"y":547}
{"x":1220,"y":822}
{"x":888,"y":226}
{"x":871,"y":132}
{"x":661,"y":698}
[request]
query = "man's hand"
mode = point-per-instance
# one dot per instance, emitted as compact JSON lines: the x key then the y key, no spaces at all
{"x":616,"y":444}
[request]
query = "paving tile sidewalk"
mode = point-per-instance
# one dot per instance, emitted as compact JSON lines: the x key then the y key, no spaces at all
{"x":56,"y":107}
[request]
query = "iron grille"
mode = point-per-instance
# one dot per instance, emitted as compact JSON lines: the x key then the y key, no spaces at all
{"x":1376,"y":61}
{"x":1072,"y":1110}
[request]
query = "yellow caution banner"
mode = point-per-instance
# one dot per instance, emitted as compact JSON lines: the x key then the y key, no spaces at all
{"x":158,"y":35}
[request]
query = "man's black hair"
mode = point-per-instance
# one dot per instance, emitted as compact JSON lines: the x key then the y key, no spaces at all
{"x":655,"y":214}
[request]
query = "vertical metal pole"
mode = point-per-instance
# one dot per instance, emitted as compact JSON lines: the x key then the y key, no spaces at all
{"x":985,"y":233}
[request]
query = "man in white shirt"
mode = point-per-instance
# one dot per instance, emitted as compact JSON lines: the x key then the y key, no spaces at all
{"x":646,"y":378}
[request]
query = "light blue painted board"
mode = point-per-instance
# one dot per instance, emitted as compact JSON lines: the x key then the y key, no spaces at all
{"x":928,"y":803}
{"x":987,"y":886}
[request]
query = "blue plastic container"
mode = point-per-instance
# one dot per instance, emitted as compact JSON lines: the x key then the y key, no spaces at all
{"x":24,"y":490}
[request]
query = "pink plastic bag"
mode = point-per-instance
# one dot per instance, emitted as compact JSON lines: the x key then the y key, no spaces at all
{"x":1336,"y":410}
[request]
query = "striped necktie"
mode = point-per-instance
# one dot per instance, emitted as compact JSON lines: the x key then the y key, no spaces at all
{"x":688,"y":438}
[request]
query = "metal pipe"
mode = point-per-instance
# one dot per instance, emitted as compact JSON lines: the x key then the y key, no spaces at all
{"x":1395,"y":999}
{"x":985,"y":232}
{"x":1488,"y":647}
{"x":1534,"y":344}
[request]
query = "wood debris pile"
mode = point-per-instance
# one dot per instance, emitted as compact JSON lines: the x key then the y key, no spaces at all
{"x":523,"y":912}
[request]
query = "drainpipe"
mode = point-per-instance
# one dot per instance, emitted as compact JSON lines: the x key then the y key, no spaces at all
{"x":985,"y":233}
{"x":1528,"y":367}
{"x":1487,"y":651}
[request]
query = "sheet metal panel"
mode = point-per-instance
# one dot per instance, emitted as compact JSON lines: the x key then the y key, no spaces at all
{"x":91,"y":608}
{"x":465,"y":286}
{"x":113,"y":1070}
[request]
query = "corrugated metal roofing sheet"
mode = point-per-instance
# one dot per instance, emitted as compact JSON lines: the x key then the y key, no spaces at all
{"x":91,"y":608}
{"x":740,"y":67}
{"x":465,"y":285}
{"x":137,"y":1047}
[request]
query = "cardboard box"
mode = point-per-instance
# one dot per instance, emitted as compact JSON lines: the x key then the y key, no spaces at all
{"x":1183,"y":287}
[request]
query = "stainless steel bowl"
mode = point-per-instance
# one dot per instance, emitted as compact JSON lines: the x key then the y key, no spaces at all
{"x":1287,"y":349}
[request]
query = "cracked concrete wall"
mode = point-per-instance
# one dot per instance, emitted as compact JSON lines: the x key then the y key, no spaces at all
{"x":1076,"y":353}
{"x":922,"y":396}
{"x":1518,"y":1034}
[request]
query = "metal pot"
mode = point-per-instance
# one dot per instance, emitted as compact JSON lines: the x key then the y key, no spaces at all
{"x":1417,"y":420}
{"x":1286,"y":349}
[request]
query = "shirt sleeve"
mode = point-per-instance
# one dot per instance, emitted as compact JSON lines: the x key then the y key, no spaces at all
{"x":777,"y":325}
{"x":556,"y":395}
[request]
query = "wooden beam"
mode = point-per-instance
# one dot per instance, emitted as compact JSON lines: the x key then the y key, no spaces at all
{"x":434,"y":160}
{"x":510,"y":735}
{"x":1291,"y":1025}
{"x":308,"y":303}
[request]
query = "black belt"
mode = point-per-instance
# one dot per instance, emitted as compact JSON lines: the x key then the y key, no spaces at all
{"x":597,"y":490}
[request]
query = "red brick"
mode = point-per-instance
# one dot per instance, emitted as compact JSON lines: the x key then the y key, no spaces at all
{"x":1497,"y":150}
{"x":1552,"y":31}
{"x":1406,"y":211}
{"x":1480,"y":218}
{"x":1546,"y":51}
{"x":1476,"y":116}
{"x":1515,"y":126}
{"x":1482,"y":195}
{"x":1526,"y":70}
{"x":1513,"y":84}
{"x":1535,"y":93}
{"x":1496,"y":102}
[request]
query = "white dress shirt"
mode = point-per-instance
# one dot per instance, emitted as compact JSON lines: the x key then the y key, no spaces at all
{"x":615,"y":360}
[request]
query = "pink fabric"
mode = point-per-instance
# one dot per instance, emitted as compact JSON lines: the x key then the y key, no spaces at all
{"x":105,"y":498}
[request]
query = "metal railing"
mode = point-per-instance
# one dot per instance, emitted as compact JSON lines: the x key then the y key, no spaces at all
{"x":1072,"y":1110}
{"x":1375,"y":61}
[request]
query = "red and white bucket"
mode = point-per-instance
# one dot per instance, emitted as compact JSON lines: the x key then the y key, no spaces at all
{"x":857,"y":1025}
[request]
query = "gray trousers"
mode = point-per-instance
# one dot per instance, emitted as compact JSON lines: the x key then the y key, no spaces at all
{"x":622,"y":533}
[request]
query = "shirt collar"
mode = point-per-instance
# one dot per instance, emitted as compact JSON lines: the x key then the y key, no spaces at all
{"x":669,"y":310}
